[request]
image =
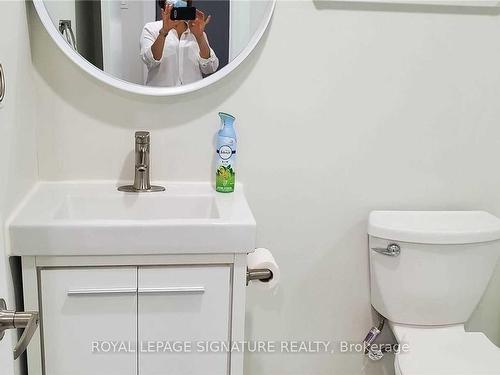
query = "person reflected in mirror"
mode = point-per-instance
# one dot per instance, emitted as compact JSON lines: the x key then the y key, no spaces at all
{"x":177,"y":52}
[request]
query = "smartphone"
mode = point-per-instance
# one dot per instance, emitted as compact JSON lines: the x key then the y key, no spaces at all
{"x":183,"y":14}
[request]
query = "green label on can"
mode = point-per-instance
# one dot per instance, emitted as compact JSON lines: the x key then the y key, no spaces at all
{"x":224,"y":179}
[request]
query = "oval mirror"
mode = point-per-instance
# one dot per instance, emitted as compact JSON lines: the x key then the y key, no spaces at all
{"x":156,"y":47}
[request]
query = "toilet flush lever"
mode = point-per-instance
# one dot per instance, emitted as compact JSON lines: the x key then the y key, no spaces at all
{"x":13,"y":319}
{"x":392,"y":250}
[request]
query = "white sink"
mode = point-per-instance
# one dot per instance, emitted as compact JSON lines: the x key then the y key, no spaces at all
{"x":81,"y":218}
{"x":150,"y":207}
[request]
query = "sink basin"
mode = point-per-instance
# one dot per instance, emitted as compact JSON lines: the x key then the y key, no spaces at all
{"x":150,"y":207}
{"x":75,"y":218}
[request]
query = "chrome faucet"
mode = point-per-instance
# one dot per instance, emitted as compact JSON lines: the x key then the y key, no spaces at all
{"x":142,"y":181}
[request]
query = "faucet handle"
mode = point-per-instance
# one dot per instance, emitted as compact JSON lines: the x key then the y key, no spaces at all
{"x":142,"y":137}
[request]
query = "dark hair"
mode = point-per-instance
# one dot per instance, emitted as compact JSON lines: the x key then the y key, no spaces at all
{"x":163,"y":3}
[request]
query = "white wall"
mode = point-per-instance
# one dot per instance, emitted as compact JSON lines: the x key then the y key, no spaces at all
{"x":245,"y":18}
{"x":122,"y":23}
{"x":17,"y":152}
{"x":339,"y":112}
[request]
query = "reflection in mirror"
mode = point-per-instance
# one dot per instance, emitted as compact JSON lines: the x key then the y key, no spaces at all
{"x":163,"y":43}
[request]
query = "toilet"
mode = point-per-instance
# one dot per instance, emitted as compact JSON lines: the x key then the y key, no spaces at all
{"x":428,"y":272}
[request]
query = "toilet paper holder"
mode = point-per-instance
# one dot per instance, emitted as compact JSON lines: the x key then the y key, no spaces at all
{"x":263,"y":275}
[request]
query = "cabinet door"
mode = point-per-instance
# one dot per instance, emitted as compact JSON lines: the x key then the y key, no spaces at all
{"x":85,"y":306}
{"x":183,"y":304}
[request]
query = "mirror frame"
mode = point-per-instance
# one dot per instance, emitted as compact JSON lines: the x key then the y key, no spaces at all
{"x":142,"y":89}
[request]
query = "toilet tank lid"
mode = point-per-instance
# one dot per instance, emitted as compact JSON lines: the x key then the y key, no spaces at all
{"x":435,"y":227}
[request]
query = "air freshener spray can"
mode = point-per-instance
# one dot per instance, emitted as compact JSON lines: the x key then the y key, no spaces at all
{"x":225,"y":175}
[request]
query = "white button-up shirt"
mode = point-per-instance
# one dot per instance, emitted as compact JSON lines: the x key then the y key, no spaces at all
{"x":180,"y":63}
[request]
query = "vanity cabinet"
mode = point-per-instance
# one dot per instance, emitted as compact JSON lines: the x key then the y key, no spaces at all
{"x":80,"y":306}
{"x":104,"y":266}
{"x":136,"y":316}
{"x":188,"y":305}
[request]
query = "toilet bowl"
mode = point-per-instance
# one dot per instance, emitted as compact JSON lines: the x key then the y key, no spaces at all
{"x":428,"y":272}
{"x":445,"y":351}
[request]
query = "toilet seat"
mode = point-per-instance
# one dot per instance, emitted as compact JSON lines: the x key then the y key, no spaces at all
{"x":445,"y":351}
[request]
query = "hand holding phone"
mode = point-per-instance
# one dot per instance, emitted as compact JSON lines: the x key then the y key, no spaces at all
{"x":197,"y":26}
{"x":168,"y":23}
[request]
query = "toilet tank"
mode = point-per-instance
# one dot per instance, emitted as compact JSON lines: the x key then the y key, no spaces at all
{"x":445,"y":262}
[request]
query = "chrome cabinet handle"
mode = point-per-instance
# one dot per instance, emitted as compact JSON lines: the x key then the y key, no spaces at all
{"x":173,"y":290}
{"x":122,"y":291}
{"x":100,"y":291}
{"x":2,"y":84}
{"x":12,"y":319}
{"x":392,"y":250}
